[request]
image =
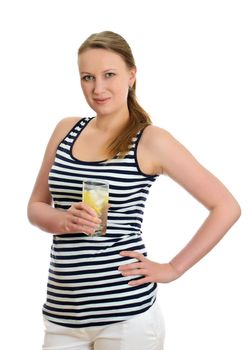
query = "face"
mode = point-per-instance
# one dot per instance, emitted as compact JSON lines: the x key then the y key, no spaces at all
{"x":105,"y":80}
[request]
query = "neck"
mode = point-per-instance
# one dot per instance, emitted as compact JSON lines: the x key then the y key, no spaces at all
{"x":112,"y":123}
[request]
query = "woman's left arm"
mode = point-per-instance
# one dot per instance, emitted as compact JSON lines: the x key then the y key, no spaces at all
{"x":173,"y":159}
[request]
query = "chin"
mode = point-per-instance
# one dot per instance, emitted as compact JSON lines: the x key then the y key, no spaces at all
{"x":104,"y":111}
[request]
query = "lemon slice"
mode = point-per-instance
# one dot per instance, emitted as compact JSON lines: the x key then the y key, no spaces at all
{"x":96,"y":200}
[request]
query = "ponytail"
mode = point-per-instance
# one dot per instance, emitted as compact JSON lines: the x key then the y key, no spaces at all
{"x":138,"y":120}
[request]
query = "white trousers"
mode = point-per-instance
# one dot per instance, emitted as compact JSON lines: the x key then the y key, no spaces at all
{"x":142,"y":332}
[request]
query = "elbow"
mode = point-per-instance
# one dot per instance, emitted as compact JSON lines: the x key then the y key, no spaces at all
{"x":32,"y":212}
{"x":233,"y":210}
{"x":228,"y":211}
{"x":29,"y":213}
{"x":236,"y":210}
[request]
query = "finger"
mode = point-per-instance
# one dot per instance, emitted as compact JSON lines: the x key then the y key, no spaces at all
{"x":139,"y":282}
{"x":74,"y":228}
{"x":132,"y":254}
{"x":78,"y":210}
{"x":127,"y":267}
{"x":84,"y":215}
{"x":87,"y":220}
{"x":133,"y":272}
{"x":86,"y":207}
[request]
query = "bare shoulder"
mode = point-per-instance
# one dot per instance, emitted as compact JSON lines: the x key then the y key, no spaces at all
{"x":157,"y":140}
{"x":152,"y":135}
{"x":152,"y":149}
{"x":64,"y":126}
{"x":162,"y":148}
{"x":60,"y":131}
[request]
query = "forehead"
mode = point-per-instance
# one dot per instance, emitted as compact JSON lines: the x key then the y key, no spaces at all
{"x":100,"y":59}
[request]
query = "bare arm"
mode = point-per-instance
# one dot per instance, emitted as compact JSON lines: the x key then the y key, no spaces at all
{"x":78,"y":218}
{"x":169,"y":157}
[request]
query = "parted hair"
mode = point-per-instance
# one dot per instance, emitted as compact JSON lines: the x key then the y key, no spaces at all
{"x":138,"y":117}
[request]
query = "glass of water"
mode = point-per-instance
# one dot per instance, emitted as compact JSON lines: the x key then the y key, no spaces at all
{"x":96,"y":195}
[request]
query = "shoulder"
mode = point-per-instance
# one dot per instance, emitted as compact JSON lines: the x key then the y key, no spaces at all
{"x":151,"y":149}
{"x":153,"y":131}
{"x":154,"y":138}
{"x":64,"y":126}
{"x":161,"y":148}
{"x":62,"y":129}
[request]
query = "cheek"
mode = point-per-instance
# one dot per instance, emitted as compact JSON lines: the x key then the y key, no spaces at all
{"x":122,"y":90}
{"x":83,"y":87}
{"x":86,"y":91}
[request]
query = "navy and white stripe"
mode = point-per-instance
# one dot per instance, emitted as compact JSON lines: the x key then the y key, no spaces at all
{"x":85,"y":287}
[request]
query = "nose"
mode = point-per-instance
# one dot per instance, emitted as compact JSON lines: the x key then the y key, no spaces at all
{"x":99,"y":86}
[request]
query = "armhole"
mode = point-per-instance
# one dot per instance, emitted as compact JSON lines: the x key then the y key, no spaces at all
{"x":140,"y":133}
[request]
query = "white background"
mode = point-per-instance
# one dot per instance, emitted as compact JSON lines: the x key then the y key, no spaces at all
{"x":192,"y":78}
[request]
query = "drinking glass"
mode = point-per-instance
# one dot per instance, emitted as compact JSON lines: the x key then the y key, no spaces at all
{"x":96,"y":195}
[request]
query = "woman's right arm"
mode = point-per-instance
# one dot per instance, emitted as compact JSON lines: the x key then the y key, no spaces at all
{"x":79,"y":217}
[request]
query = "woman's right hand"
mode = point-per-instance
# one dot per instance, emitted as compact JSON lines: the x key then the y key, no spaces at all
{"x":81,"y":218}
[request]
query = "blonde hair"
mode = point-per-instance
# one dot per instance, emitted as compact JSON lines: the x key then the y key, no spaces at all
{"x":138,"y":117}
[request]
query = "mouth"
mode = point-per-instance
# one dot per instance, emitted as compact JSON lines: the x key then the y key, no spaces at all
{"x":101,"y":101}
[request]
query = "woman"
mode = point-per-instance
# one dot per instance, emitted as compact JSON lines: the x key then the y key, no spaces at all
{"x":101,"y":291}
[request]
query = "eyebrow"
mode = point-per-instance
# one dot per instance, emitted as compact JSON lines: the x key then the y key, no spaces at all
{"x":105,"y":71}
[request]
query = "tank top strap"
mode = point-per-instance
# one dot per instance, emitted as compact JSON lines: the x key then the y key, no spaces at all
{"x":75,"y":131}
{"x":78,"y":127}
{"x":135,"y":140}
{"x":132,"y":155}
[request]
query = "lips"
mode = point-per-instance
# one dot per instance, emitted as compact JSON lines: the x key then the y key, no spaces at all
{"x":101,"y":100}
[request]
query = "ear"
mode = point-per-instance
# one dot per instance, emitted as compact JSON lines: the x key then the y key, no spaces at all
{"x":132,"y":77}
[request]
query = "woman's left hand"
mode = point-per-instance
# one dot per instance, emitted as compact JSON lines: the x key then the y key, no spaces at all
{"x":152,"y":271}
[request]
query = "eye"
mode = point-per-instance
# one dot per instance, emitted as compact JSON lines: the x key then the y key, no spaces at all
{"x":87,"y":77}
{"x":109,"y":75}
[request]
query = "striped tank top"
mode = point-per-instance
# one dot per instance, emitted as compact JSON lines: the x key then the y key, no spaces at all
{"x":85,"y":287}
